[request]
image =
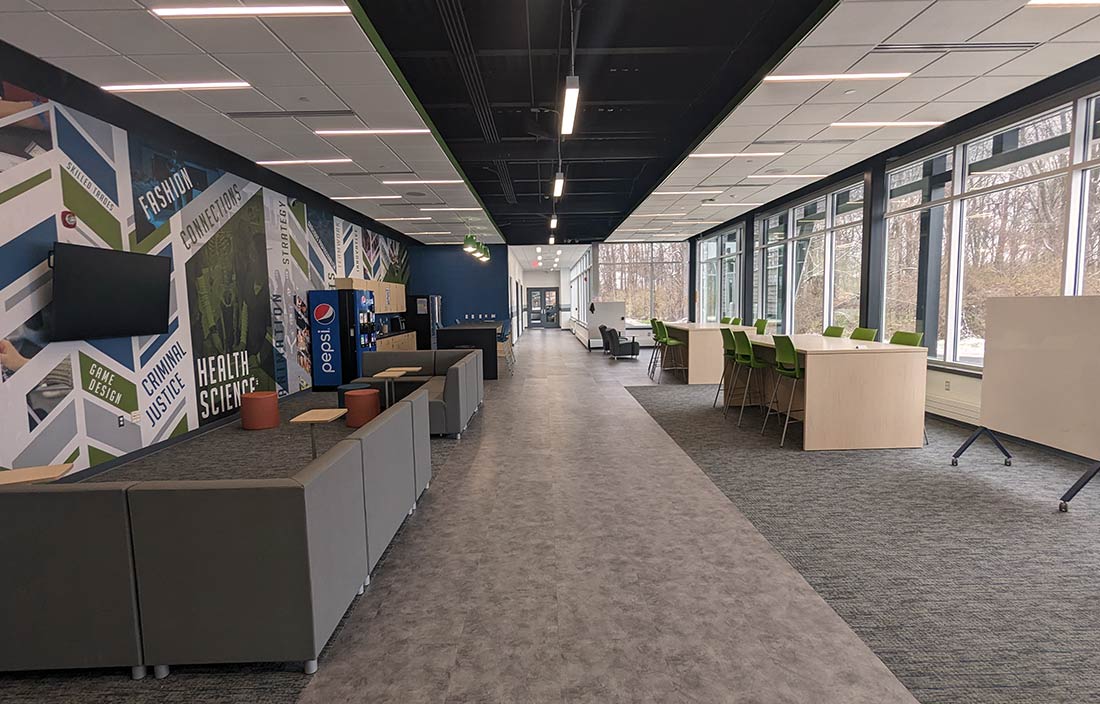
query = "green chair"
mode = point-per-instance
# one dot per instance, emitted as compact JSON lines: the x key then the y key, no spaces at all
{"x":744,"y":356}
{"x":761,"y":326}
{"x":670,"y":344}
{"x":864,"y":334}
{"x":833,"y":331}
{"x":655,"y":354}
{"x":910,"y":339}
{"x":727,"y":362}
{"x":735,"y":321}
{"x":725,"y":321}
{"x":786,"y":367}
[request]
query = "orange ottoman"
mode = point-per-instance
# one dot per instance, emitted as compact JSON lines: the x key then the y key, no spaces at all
{"x":363,"y":405}
{"x":259,"y":410}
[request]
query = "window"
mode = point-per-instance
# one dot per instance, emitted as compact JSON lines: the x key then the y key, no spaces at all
{"x":651,"y":278}
{"x":1022,"y":151}
{"x":579,"y":288}
{"x":846,"y":240}
{"x":1091,"y":241}
{"x":720,"y":277}
{"x":775,"y":285}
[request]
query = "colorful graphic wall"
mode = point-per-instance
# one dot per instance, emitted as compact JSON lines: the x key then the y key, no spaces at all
{"x":243,"y":259}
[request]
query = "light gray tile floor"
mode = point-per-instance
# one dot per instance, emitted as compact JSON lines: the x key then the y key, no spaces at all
{"x":569,"y":551}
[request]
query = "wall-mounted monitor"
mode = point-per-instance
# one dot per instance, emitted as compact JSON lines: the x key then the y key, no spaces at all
{"x":101,"y":293}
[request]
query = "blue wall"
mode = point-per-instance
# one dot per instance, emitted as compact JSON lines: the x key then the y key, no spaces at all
{"x":468,"y":286}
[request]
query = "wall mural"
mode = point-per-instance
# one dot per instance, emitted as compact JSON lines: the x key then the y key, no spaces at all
{"x":243,"y":259}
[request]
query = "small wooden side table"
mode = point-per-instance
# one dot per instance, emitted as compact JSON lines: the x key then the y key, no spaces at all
{"x":318,"y":415}
{"x":388,"y":375}
{"x":35,"y":475}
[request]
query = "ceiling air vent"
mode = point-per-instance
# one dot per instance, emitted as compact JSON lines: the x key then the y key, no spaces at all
{"x":953,"y":46}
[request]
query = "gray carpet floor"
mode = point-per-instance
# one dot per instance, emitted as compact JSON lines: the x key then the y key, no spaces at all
{"x":225,"y":452}
{"x":965,"y":580}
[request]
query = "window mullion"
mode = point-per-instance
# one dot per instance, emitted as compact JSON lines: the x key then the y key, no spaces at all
{"x":954,"y":274}
{"x":1073,"y":269}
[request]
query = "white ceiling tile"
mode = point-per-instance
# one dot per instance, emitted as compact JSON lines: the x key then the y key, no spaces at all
{"x":209,"y":123}
{"x":307,"y":97}
{"x":1087,"y":32}
{"x":920,"y":89}
{"x":46,"y":36}
{"x":730,"y":131}
{"x":236,"y":100}
{"x":954,"y":21}
{"x":1036,"y":24}
{"x":130,"y":32}
{"x":792,"y":132}
{"x":105,"y":70}
{"x":172,"y":103}
{"x":349,"y":68}
{"x":813,"y":114}
{"x":987,"y":89}
{"x":943,"y":111}
{"x":18,"y":6}
{"x":895,"y":63}
{"x":269,"y":69}
{"x":967,"y":63}
{"x":86,"y":4}
{"x":319,"y":33}
{"x":338,"y":122}
{"x":185,"y":67}
{"x":855,"y":92}
{"x":780,"y":94}
{"x":832,"y":164}
{"x":379,"y":105}
{"x":821,"y":59}
{"x":818,"y":149}
{"x":228,"y":36}
{"x":755,"y":115}
{"x":853,"y":23}
{"x":1048,"y":59}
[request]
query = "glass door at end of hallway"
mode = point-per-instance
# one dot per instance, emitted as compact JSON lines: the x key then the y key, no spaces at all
{"x":543,"y":309}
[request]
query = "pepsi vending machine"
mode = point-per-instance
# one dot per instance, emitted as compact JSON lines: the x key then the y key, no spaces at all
{"x":341,"y":329}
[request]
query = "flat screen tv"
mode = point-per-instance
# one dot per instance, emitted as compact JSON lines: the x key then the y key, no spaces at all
{"x":104,"y":293}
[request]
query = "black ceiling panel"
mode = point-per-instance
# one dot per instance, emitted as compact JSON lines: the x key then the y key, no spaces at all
{"x":655,"y":75}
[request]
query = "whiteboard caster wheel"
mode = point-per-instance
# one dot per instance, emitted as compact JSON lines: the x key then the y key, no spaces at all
{"x":954,"y":461}
{"x":1063,"y":507}
{"x":1008,"y":462}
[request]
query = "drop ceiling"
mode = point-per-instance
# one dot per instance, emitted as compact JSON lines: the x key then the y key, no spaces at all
{"x":528,"y":255}
{"x":299,"y":64}
{"x":863,"y":36}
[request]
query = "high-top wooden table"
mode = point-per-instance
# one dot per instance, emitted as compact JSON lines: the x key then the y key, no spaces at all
{"x":318,"y":415}
{"x":35,"y":475}
{"x":854,"y":394}
{"x":703,"y":342}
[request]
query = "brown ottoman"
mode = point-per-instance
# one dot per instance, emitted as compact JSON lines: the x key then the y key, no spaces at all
{"x":363,"y":405}
{"x":259,"y":410}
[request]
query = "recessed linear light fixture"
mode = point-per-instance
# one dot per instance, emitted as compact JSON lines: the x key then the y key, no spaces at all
{"x":687,"y":193}
{"x":730,"y":155}
{"x":809,"y":77}
{"x":426,"y":217}
{"x":569,"y":104}
{"x":731,"y":205}
{"x":295,"y":162}
{"x":160,"y":87}
{"x":559,"y":184}
{"x":554,"y":222}
{"x":895,"y":123}
{"x":431,"y":233}
{"x":1063,"y":3}
{"x":422,"y":182}
{"x":788,"y":176}
{"x":448,"y":208}
{"x":551,"y":241}
{"x":255,"y":11}
{"x":382,"y":131}
{"x":366,"y":197}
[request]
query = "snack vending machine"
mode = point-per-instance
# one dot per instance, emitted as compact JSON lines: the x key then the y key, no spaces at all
{"x":341,"y":329}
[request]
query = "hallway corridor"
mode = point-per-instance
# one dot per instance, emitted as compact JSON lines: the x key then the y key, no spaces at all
{"x":569,"y":551}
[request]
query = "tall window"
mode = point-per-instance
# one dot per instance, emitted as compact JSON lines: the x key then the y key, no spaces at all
{"x":580,"y":291}
{"x":1090,"y":206}
{"x":809,"y":267}
{"x":650,"y":277}
{"x":846,"y":241}
{"x":720,"y":276}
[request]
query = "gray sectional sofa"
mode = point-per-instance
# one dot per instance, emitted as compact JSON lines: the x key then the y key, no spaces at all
{"x":212,"y":571}
{"x":453,"y":379}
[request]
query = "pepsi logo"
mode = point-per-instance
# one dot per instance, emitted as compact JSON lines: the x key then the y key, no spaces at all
{"x":324,"y":313}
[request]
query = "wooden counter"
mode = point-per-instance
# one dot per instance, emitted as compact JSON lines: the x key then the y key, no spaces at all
{"x":704,"y":349}
{"x":854,"y":395}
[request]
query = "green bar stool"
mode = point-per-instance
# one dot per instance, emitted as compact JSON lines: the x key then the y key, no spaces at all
{"x":735,"y":321}
{"x":761,"y":326}
{"x":864,"y":334}
{"x":786,"y":366}
{"x":745,"y":357}
{"x":658,"y":343}
{"x":909,"y":339}
{"x":725,"y":321}
{"x":833,"y":331}
{"x":728,"y":363}
{"x":674,"y":346}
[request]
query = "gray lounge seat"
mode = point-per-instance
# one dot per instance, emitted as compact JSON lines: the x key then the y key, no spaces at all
{"x":422,"y":446}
